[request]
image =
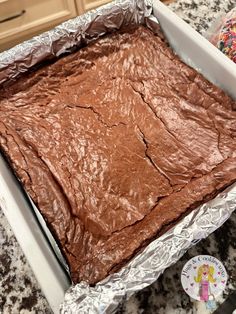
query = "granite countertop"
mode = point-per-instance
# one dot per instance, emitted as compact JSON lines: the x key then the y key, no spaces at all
{"x":19,"y":290}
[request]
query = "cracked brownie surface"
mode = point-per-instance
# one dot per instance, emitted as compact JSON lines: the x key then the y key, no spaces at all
{"x":115,"y":143}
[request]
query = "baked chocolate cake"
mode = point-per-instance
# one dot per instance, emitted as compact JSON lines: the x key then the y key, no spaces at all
{"x":115,"y":143}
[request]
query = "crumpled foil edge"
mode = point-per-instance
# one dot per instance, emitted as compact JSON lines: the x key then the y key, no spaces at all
{"x":145,"y":268}
{"x":72,"y":34}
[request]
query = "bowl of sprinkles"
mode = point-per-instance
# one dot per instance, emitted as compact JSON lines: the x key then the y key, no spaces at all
{"x":227,"y":38}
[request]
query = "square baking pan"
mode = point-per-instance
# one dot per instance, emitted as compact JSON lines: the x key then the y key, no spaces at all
{"x":28,"y":226}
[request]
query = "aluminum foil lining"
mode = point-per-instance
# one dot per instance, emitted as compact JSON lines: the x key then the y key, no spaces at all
{"x":145,"y":268}
{"x":72,"y":34}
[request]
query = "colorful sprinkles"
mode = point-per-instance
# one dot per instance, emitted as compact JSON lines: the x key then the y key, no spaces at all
{"x":227,"y":39}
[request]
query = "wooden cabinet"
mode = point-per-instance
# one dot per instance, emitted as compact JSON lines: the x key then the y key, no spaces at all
{"x":22,"y":19}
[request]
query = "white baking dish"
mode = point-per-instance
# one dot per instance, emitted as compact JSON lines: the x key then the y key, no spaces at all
{"x":194,"y":50}
{"x":197,"y":51}
{"x":47,"y":269}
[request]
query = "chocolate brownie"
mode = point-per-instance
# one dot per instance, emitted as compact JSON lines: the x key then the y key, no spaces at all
{"x":115,"y":143}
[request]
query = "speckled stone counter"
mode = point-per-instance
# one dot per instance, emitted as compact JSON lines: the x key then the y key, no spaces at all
{"x":19,"y":290}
